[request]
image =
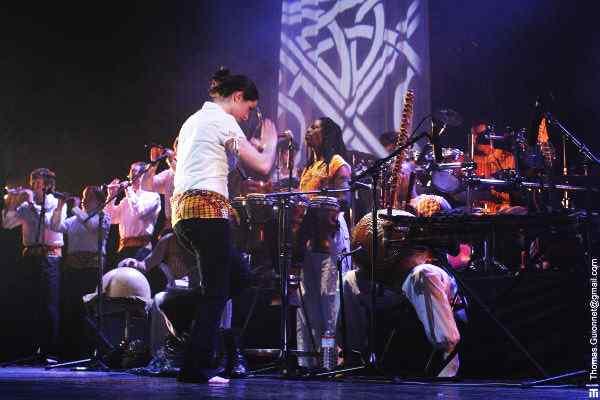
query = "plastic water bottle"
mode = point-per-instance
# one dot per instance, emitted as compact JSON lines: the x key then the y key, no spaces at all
{"x":328,"y":350}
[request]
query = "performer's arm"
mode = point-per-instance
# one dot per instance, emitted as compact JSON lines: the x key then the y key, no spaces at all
{"x":142,"y":206}
{"x":260,"y":162}
{"x":58,"y":222}
{"x":153,"y":259}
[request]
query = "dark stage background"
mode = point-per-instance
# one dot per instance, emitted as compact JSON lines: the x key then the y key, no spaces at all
{"x":84,"y":87}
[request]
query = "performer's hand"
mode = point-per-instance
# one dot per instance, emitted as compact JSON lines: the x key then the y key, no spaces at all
{"x":268,"y":133}
{"x":73,"y":202}
{"x":155,"y":153}
{"x":257,"y":144}
{"x":113,"y":187}
{"x":26,"y":195}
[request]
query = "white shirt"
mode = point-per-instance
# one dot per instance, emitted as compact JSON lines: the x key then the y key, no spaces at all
{"x":27,"y":215}
{"x":82,"y":236}
{"x":164,"y":183}
{"x":203,"y":161}
{"x":136,"y":214}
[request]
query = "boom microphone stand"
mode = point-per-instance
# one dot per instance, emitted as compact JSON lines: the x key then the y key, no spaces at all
{"x":373,"y":172}
{"x":587,"y":153}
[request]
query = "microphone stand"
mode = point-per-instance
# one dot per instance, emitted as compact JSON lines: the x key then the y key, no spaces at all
{"x":374,"y":171}
{"x":96,"y":362}
{"x":581,"y":147}
{"x":587,"y":223}
{"x":39,"y":355}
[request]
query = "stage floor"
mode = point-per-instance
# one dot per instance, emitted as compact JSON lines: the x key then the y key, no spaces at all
{"x":37,"y":383}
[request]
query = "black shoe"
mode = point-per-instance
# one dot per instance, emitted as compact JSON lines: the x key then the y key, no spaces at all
{"x":167,"y":361}
{"x":235,"y":363}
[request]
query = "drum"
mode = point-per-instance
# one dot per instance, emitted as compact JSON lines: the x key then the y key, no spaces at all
{"x":240,"y":232}
{"x":396,"y":255}
{"x":254,"y":186}
{"x":321,"y":222}
{"x":448,"y":181}
{"x":261,"y":221}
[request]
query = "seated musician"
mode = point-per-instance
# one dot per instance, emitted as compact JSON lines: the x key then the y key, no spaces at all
{"x":412,"y":273}
{"x":170,"y":328}
{"x":490,"y":159}
{"x":326,"y":168}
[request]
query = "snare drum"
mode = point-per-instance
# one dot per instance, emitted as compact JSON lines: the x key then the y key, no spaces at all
{"x":322,"y":222}
{"x":448,"y":181}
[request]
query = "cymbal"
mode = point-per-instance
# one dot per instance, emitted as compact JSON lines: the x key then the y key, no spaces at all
{"x":356,"y":156}
{"x":580,"y":180}
{"x":448,"y":117}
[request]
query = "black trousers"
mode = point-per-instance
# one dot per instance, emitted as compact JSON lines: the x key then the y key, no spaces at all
{"x":41,"y":276}
{"x":75,"y":283}
{"x":210,"y":241}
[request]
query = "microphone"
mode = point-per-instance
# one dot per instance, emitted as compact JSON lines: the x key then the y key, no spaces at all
{"x":349,"y":253}
{"x":285,"y":135}
{"x":59,"y":195}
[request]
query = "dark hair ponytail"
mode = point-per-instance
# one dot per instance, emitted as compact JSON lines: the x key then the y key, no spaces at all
{"x":224,"y":84}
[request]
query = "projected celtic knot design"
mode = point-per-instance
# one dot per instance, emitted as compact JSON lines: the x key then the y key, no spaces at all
{"x":337,"y":58}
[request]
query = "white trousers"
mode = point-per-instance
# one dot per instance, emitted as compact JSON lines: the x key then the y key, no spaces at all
{"x":429,"y":289}
{"x":319,"y":286}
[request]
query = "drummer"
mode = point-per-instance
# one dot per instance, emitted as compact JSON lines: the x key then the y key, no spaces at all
{"x":326,"y":167}
{"x":490,"y":159}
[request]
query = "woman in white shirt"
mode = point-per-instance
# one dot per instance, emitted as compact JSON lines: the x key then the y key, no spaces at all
{"x":210,"y":143}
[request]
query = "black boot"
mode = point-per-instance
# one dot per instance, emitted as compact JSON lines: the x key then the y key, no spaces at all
{"x":235,"y":362}
{"x":168,"y":358}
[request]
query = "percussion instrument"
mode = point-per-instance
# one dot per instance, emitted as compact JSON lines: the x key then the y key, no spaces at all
{"x":392,"y":263}
{"x":257,"y":221}
{"x":123,"y":282}
{"x":253,"y":186}
{"x":447,"y":180}
{"x":321,"y":223}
